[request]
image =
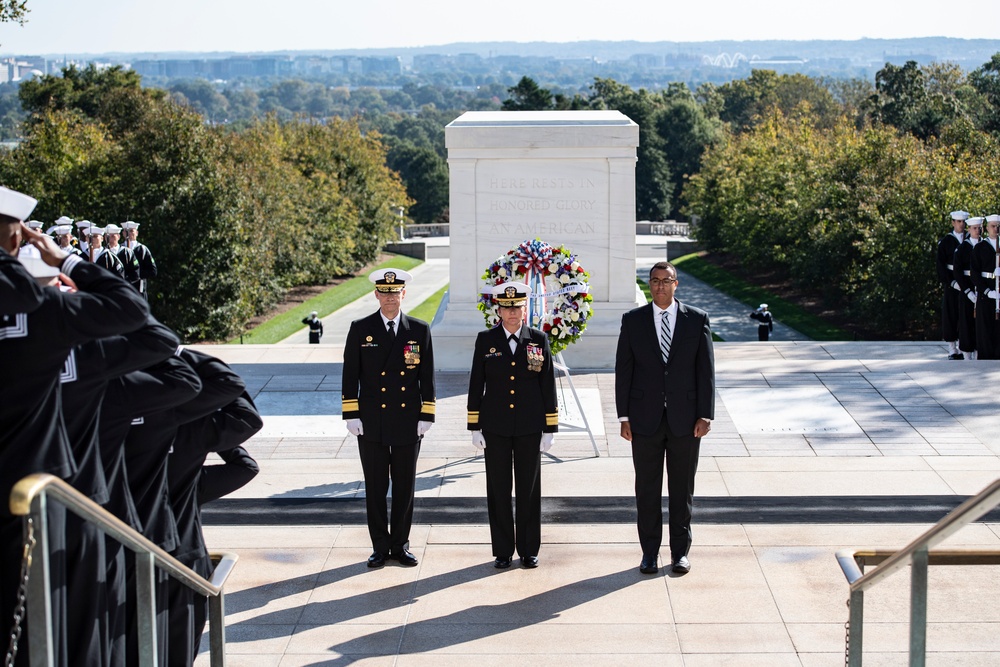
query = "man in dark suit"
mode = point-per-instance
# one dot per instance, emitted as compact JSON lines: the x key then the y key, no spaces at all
{"x":388,"y":403}
{"x":665,"y":396}
{"x":513,"y":415}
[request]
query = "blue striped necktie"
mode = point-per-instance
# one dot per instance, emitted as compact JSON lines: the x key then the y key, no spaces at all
{"x":664,"y":337}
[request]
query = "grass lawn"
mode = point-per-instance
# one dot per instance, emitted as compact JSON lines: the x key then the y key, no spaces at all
{"x":428,"y":309}
{"x":284,"y":325}
{"x":791,"y":314}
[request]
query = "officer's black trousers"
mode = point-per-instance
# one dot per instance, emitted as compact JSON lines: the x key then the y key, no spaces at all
{"x":381,"y":464}
{"x":525,"y":531}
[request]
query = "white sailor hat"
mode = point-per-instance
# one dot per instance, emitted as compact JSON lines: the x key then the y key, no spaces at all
{"x":959,"y":215}
{"x":34,"y":224}
{"x":63,"y":220}
{"x":993,"y":218}
{"x":511,"y":294}
{"x":314,"y":313}
{"x":112,"y":228}
{"x":129,"y":224}
{"x":763,"y":306}
{"x":82,"y":224}
{"x":59,"y":230}
{"x":16,"y":205}
{"x":32,"y":261}
{"x":974,"y":222}
{"x":94,"y":230}
{"x":389,"y":280}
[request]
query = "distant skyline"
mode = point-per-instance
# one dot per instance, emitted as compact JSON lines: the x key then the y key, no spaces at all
{"x":150,"y":26}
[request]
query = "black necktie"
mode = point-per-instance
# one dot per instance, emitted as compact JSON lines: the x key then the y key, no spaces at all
{"x":512,"y":339}
{"x":392,"y":330}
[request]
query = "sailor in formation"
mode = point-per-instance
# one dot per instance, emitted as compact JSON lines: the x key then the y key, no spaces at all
{"x":951,"y":291}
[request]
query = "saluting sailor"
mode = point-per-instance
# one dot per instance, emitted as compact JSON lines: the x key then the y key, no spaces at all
{"x":315,"y":327}
{"x":388,"y":403}
{"x":952,"y":295}
{"x":513,"y":414}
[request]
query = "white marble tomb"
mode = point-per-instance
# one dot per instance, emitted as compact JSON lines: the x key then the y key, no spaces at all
{"x":566,"y":177}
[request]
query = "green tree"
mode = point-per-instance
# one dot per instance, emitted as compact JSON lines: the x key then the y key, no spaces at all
{"x":653,"y":185}
{"x":986,"y":81}
{"x":426,"y":177}
{"x":527,"y":95}
{"x":83,"y":90}
{"x":686,"y":133}
{"x":14,"y":11}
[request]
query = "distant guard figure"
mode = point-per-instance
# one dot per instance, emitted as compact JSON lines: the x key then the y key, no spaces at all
{"x":147,"y":265}
{"x":765,"y":321}
{"x":315,"y":327}
{"x":388,"y":403}
{"x":963,"y":275}
{"x":985,"y":272}
{"x":130,"y":264}
{"x":952,"y":295}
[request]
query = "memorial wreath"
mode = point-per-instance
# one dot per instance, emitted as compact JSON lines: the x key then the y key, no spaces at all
{"x":560,"y":300}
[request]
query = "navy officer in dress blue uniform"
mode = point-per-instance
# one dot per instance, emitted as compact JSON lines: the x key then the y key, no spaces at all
{"x":513,"y":415}
{"x":388,"y":403}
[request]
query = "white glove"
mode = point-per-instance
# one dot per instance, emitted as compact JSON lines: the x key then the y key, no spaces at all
{"x":547,"y":440}
{"x":423,"y":427}
{"x":955,"y":285}
{"x":993,"y":294}
{"x":478,"y":440}
{"x":354,"y":426}
{"x":971,"y":295}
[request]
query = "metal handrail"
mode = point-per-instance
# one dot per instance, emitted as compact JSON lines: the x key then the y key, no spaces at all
{"x":918,"y":554}
{"x":29,"y":498}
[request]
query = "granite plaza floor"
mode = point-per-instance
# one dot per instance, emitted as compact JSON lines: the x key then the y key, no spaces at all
{"x":805,"y":425}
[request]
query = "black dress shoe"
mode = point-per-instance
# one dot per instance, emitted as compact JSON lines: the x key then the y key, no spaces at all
{"x":681,"y":565}
{"x":376,"y":560}
{"x":956,"y":355}
{"x":501,"y":563}
{"x":529,"y":562}
{"x":404,"y":557}
{"x":648,"y":565}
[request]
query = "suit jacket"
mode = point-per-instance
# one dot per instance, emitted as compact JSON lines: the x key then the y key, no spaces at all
{"x":506,"y":397}
{"x":685,"y":384}
{"x":389,"y":385}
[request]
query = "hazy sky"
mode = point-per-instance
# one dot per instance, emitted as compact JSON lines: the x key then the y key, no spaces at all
{"x":99,"y":26}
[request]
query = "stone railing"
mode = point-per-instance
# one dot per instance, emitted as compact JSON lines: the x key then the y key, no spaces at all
{"x":664,"y":228}
{"x":424,"y":231}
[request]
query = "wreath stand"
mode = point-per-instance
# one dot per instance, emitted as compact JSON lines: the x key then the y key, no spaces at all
{"x":560,"y":365}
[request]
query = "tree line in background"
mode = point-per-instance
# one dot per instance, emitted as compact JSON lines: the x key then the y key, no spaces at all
{"x":850,"y":204}
{"x":841,"y":185}
{"x":234,"y":217}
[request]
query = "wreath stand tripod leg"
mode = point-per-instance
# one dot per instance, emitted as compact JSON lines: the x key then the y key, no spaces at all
{"x":561,"y":366}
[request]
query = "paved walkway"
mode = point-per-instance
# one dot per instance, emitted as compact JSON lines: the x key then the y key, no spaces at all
{"x":816,"y":447}
{"x":428,"y":278}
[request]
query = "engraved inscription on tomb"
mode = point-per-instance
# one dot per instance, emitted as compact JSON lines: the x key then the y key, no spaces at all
{"x":553,"y":198}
